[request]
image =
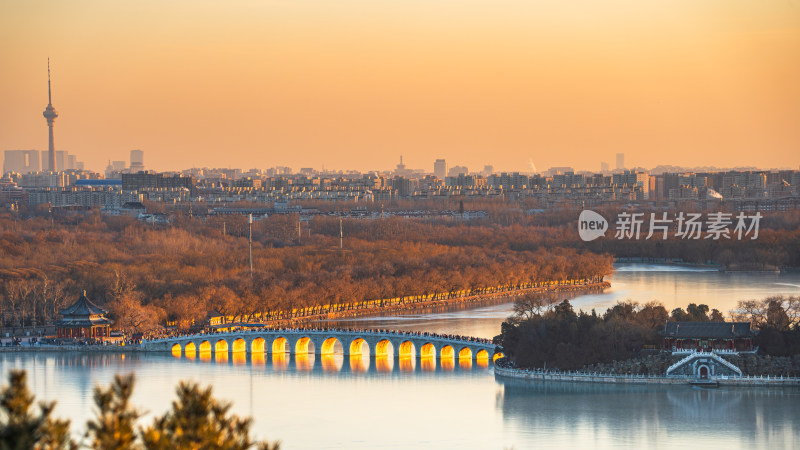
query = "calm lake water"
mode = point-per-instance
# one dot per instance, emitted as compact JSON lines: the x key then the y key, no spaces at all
{"x":363,"y":403}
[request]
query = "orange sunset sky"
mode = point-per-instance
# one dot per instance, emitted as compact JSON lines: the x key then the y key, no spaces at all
{"x":352,"y":84}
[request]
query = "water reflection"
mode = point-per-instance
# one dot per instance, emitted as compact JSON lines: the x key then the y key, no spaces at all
{"x":221,"y":357}
{"x":304,"y":362}
{"x":407,"y":364}
{"x":280,"y":361}
{"x":448,"y":364}
{"x":258,"y":358}
{"x":384,"y":363}
{"x":751,"y":417}
{"x":461,"y":408}
{"x":328,"y":363}
{"x":239,"y":358}
{"x":359,"y":363}
{"x":332,"y":362}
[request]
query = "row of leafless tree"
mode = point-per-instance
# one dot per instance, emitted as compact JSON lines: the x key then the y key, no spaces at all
{"x":150,"y":276}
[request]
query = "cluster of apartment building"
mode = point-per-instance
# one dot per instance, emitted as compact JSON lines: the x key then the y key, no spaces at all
{"x":750,"y":190}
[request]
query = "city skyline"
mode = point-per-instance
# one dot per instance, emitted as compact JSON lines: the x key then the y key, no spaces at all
{"x":233,"y":87}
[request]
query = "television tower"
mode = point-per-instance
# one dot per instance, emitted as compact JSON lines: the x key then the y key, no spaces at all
{"x":50,"y":114}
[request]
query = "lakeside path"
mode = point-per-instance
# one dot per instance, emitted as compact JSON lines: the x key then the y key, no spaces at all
{"x":427,"y":304}
{"x":539,"y":375}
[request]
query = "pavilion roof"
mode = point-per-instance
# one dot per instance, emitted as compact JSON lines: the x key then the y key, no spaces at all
{"x":715,"y":330}
{"x":83,"y":307}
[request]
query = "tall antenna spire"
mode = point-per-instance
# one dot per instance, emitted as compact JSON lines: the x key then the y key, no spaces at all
{"x":49,"y":95}
{"x":50,"y":114}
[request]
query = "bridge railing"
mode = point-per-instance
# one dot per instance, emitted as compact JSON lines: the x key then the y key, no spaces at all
{"x":778,"y":379}
{"x":711,"y":354}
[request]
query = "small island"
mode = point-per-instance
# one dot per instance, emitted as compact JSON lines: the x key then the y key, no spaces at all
{"x":547,"y":340}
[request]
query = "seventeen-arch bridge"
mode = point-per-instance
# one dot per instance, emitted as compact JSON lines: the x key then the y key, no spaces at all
{"x":322,"y":341}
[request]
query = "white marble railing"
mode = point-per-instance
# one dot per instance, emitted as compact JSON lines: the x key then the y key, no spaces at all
{"x":681,"y":351}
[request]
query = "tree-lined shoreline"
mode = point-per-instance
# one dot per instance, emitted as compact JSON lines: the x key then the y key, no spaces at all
{"x":150,"y":277}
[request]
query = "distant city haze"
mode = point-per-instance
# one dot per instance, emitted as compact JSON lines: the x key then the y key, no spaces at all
{"x":353,"y":84}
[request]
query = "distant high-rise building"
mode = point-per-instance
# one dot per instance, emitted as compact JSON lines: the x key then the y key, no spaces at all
{"x":137,"y":161}
{"x":488,"y":170}
{"x":620,"y":161}
{"x":440,"y":168}
{"x":604,"y":167}
{"x":21,"y":161}
{"x":114,"y":169}
{"x":457,"y":170}
{"x":62,"y":160}
{"x":50,"y":114}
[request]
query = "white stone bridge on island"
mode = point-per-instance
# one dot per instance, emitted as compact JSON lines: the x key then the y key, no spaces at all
{"x":322,"y":341}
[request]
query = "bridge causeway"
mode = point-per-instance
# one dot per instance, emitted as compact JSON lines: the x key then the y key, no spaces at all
{"x":324,"y":340}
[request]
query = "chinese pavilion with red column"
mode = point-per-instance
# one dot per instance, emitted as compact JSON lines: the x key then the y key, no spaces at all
{"x":83,"y":320}
{"x":682,"y":337}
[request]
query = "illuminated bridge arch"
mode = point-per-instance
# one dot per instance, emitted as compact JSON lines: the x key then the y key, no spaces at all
{"x":221,"y":346}
{"x":329,"y":346}
{"x":258,"y":345}
{"x":238,"y":346}
{"x":280,"y":345}
{"x":407,"y":349}
{"x":304,"y":345}
{"x":190,"y":350}
{"x":384,"y":348}
{"x":357,"y":346}
{"x":428,"y":350}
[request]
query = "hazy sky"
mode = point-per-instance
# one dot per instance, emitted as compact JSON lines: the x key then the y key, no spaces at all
{"x":355,"y":83}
